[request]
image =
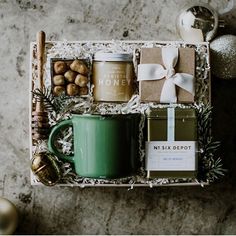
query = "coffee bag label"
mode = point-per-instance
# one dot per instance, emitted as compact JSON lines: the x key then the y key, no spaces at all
{"x":171,"y":155}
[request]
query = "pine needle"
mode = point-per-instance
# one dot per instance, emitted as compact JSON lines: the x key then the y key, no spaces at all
{"x":51,"y":102}
{"x":210,"y":167}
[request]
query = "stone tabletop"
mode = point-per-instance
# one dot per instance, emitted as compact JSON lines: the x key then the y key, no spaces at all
{"x":67,"y":210}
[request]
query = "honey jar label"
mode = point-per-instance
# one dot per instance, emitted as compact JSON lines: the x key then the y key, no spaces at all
{"x":171,"y":155}
{"x":113,"y":81}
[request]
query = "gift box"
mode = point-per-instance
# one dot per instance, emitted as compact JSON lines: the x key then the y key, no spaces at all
{"x":85,"y":50}
{"x":171,"y":143}
{"x":166,"y":75}
{"x":69,"y":76}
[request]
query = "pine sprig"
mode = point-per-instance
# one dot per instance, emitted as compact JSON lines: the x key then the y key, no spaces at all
{"x":210,"y":167}
{"x":51,"y":102}
{"x":46,"y":97}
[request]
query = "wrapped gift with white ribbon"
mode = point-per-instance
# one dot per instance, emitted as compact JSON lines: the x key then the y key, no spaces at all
{"x":166,"y":75}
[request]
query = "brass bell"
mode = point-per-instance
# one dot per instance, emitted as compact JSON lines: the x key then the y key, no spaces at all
{"x":46,"y":169}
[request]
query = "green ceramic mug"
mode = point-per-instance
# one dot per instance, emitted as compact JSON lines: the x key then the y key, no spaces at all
{"x":105,"y":146}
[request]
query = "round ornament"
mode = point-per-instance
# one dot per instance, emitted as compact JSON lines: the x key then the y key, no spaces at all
{"x":197,"y":23}
{"x":45,"y":168}
{"x":8,"y":217}
{"x":223,"y":57}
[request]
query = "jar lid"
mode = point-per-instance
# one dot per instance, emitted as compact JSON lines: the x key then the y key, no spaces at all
{"x":109,"y":56}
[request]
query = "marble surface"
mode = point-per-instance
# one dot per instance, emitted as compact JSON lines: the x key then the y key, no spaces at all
{"x":66,"y":210}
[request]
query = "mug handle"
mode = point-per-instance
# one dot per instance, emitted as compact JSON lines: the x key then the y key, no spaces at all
{"x":51,"y":146}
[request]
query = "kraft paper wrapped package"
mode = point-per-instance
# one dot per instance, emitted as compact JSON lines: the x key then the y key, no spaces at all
{"x":166,"y":75}
{"x":171,"y":147}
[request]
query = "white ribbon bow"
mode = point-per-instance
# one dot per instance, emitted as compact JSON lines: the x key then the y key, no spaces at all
{"x":157,"y":72}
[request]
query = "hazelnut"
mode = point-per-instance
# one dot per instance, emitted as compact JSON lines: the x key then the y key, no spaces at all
{"x":58,"y":80}
{"x":70,"y":76}
{"x":79,"y":67}
{"x":83,"y":91}
{"x":60,"y":67}
{"x":72,"y":89}
{"x":57,"y":90}
{"x":81,"y":80}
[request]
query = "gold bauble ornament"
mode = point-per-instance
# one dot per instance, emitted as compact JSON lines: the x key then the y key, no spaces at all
{"x":197,"y":23}
{"x":8,"y":217}
{"x":223,"y":57}
{"x":45,"y":168}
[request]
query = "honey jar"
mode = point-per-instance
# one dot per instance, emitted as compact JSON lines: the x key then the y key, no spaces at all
{"x":113,"y":77}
